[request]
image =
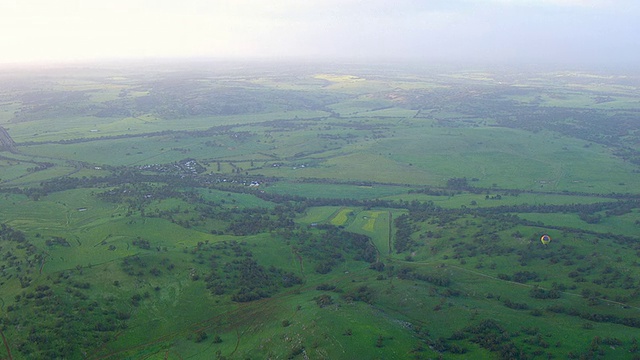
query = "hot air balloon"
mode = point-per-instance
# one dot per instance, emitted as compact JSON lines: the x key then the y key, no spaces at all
{"x":545,"y":239}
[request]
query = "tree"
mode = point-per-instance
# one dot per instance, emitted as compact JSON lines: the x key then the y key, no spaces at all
{"x":201,"y":336}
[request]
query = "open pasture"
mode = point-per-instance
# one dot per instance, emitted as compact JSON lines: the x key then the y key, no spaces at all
{"x":624,"y":224}
{"x":378,"y":225}
{"x":505,"y":158}
{"x":337,"y":191}
{"x":391,"y":113}
{"x":95,"y":127}
{"x":329,"y":332}
{"x":49,"y":215}
{"x":112,"y":241}
{"x":234,"y":200}
{"x":318,"y":214}
{"x":372,"y":218}
{"x":508,"y":158}
{"x":31,"y":178}
{"x":361,"y":106}
{"x":12,"y":170}
{"x":360,"y":167}
{"x":341,"y":217}
{"x":147,"y":150}
{"x":20,"y":169}
{"x":489,"y":199}
{"x":607,"y":100}
{"x":7,"y":110}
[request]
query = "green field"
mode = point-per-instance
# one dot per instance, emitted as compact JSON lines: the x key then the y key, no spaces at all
{"x":340,"y":191}
{"x":341,"y":217}
{"x":336,"y":212}
{"x":318,"y":214}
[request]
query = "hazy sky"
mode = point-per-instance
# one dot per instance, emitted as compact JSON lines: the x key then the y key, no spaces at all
{"x":550,"y":31}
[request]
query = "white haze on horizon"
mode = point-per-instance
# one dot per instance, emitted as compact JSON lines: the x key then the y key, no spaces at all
{"x":511,"y":31}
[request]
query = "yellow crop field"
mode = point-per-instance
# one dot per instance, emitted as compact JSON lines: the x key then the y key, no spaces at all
{"x":341,"y":217}
{"x":372,"y":217}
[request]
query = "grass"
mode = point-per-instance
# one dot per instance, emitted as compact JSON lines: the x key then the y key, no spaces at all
{"x":35,"y":178}
{"x":363,"y":146}
{"x":371,"y":219}
{"x":318,"y":214}
{"x":466,"y":199}
{"x":80,"y":127}
{"x":341,"y":217}
{"x":234,"y":200}
{"x":508,"y":158}
{"x":375,"y":224}
{"x":392,"y":112}
{"x":182,"y":307}
{"x":12,"y":170}
{"x":147,"y":150}
{"x":359,"y":106}
{"x":625,"y":224}
{"x":338,"y":191}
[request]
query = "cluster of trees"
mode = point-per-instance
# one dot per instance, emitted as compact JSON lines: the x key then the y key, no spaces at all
{"x":19,"y":257}
{"x":611,"y":128}
{"x":595,"y":317}
{"x":539,"y":293}
{"x":492,"y":336}
{"x":328,"y":245}
{"x":404,"y":229}
{"x":482,"y":232}
{"x":408,"y":273}
{"x":57,"y":240}
{"x":7,"y":233}
{"x":232,"y":270}
{"x":141,"y":243}
{"x":61,"y":319}
{"x":362,"y":293}
{"x":248,"y":280}
{"x":254,"y":221}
